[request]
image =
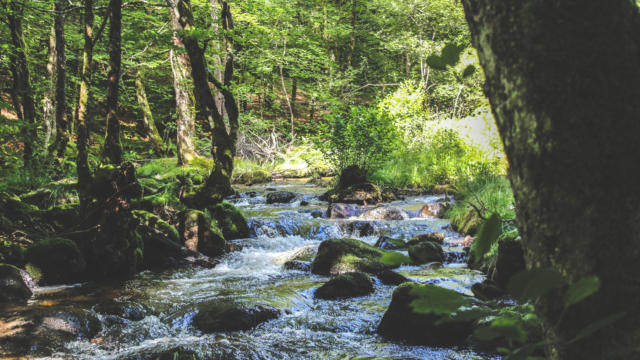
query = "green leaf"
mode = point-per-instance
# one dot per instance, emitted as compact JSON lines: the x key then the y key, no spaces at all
{"x":468,"y":71}
{"x":431,"y":299}
{"x":531,"y":284}
{"x":436,"y":62}
{"x":502,"y":327}
{"x":393,"y":258}
{"x":451,"y":54}
{"x":488,"y":234}
{"x":582,"y":289}
{"x":593,"y":327}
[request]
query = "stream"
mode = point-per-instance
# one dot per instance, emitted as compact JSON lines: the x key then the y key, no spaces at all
{"x":159,"y":306}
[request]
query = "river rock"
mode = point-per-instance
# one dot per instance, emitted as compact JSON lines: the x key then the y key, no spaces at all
{"x":426,"y":252}
{"x":230,"y":220}
{"x":387,"y":243}
{"x":282,"y":197}
{"x":59,"y":259}
{"x":361,"y":194}
{"x":385,"y":213}
{"x":297,"y":265}
{"x":400,"y":322}
{"x":341,"y":211}
{"x":345,"y":285}
{"x":176,"y":353}
{"x":487,"y":290}
{"x":359,"y":228}
{"x":436,"y":237}
{"x":13,"y":288}
{"x":510,"y":261}
{"x":200,"y":234}
{"x":336,"y":256}
{"x":390,"y":277}
{"x":126,"y":310}
{"x":216,"y":316}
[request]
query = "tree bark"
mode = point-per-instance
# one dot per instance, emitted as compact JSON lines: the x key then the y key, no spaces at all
{"x":48,"y":111}
{"x":220,"y":51}
{"x":112,"y":152}
{"x":23,"y":92}
{"x":352,"y":43}
{"x":182,"y":81}
{"x":150,"y":129}
{"x":563,"y":81}
{"x":62,"y":135}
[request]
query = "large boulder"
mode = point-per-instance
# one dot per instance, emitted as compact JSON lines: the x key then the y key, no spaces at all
{"x":280,"y":197}
{"x":436,"y":237}
{"x":341,"y":211}
{"x":361,"y":194}
{"x":345,"y":285}
{"x":390,"y":277}
{"x":336,"y":256}
{"x":200,"y":234}
{"x":487,"y":290}
{"x":221,"y":316}
{"x":510,"y":261}
{"x":426,"y":252}
{"x":233,"y":224}
{"x":385,"y":213}
{"x":13,"y":288}
{"x":400,"y":322}
{"x":59,"y":260}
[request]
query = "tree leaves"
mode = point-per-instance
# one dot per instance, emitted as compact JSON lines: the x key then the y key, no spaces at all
{"x":433,"y":299}
{"x":531,"y":284}
{"x":502,"y":327}
{"x":449,"y":56}
{"x":582,"y":289}
{"x":488,"y":234}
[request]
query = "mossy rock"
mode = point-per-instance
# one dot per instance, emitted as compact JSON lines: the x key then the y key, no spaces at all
{"x":254,"y":177}
{"x":426,"y":252}
{"x":217,"y":316}
{"x":400,"y":322}
{"x":467,"y":224}
{"x":62,"y":217}
{"x":233,"y":224}
{"x":345,"y":286}
{"x":361,"y":194}
{"x":11,"y":252}
{"x":198,"y":232}
{"x":59,"y":259}
{"x":436,"y":237}
{"x":336,"y":256}
{"x":13,"y":288}
{"x":149,"y":219}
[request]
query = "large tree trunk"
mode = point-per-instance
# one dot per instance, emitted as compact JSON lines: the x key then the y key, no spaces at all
{"x":181,"y":69}
{"x":23,"y":92}
{"x":112,"y":151}
{"x":223,"y":149}
{"x":62,"y":135}
{"x":220,"y":51}
{"x":563,"y":79}
{"x":147,"y":117}
{"x":48,"y":111}
{"x":82,"y":163}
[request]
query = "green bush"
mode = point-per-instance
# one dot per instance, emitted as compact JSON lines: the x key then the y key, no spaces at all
{"x":362,"y":137}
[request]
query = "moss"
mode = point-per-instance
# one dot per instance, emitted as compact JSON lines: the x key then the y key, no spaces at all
{"x":230,"y":220}
{"x":59,"y":259}
{"x":344,"y":255}
{"x":253,"y":177}
{"x":466,"y":223}
{"x":200,"y":232}
{"x":34,"y":272}
{"x":151,"y":220}
{"x":11,"y":252}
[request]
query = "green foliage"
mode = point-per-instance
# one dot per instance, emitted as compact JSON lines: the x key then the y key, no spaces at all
{"x":361,"y":136}
{"x":432,"y":299}
{"x":580,"y":290}
{"x":488,"y":235}
{"x":531,"y":284}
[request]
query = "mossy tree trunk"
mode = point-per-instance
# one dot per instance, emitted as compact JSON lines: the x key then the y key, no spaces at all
{"x":48,"y":110}
{"x":62,"y":135}
{"x":112,"y":152}
{"x":564,"y":82}
{"x":223,"y":141}
{"x":150,"y":129}
{"x":180,"y":67}
{"x":23,"y":98}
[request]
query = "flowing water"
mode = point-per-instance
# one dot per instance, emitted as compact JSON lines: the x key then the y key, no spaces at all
{"x":163,"y":304}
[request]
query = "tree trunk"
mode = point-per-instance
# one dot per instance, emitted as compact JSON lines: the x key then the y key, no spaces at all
{"x":62,"y":135}
{"x":294,"y":94}
{"x":218,"y":64}
{"x":112,"y":151}
{"x":147,"y":117}
{"x":82,"y":164}
{"x":23,"y":92}
{"x":182,"y":82}
{"x":352,"y":43}
{"x":218,"y":185}
{"x":563,"y":81}
{"x":48,"y":111}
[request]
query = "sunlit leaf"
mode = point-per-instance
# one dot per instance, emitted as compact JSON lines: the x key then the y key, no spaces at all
{"x":530,"y":284}
{"x":488,"y":234}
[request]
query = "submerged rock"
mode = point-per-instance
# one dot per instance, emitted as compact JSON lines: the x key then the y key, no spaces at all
{"x":345,"y":285}
{"x":361,"y":194}
{"x":13,"y":288}
{"x":341,"y":211}
{"x":390,"y":277}
{"x":282,"y":197}
{"x":400,"y":322}
{"x":388,"y":243}
{"x":359,"y":228}
{"x":385,"y":213}
{"x":426,"y":252}
{"x":216,"y":316}
{"x":336,"y":256}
